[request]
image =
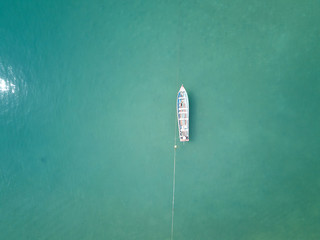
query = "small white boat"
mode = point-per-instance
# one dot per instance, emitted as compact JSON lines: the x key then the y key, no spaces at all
{"x":183,"y":114}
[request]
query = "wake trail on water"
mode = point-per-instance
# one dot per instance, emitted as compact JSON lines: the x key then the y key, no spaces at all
{"x":176,"y":120}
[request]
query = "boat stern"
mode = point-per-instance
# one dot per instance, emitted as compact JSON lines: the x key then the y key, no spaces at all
{"x":184,"y":140}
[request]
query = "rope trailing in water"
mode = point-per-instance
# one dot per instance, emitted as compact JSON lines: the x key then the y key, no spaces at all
{"x":173,"y":188}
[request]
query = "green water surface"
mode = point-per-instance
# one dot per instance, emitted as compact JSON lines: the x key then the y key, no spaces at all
{"x":87,"y":119}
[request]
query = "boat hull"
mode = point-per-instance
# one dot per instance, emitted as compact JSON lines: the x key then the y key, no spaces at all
{"x":183,"y":114}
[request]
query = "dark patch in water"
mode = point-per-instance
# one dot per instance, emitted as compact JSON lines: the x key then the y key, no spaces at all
{"x":43,"y":159}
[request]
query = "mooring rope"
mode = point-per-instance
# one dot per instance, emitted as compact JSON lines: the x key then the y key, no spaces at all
{"x":173,"y":191}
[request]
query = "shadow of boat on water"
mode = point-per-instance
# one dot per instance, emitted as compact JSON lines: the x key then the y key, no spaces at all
{"x":192,"y":116}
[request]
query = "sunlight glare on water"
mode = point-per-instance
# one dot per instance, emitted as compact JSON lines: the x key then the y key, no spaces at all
{"x":13,"y":88}
{"x":6,"y":86}
{"x":7,"y":79}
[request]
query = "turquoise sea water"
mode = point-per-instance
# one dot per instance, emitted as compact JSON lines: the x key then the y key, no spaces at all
{"x":87,"y":119}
